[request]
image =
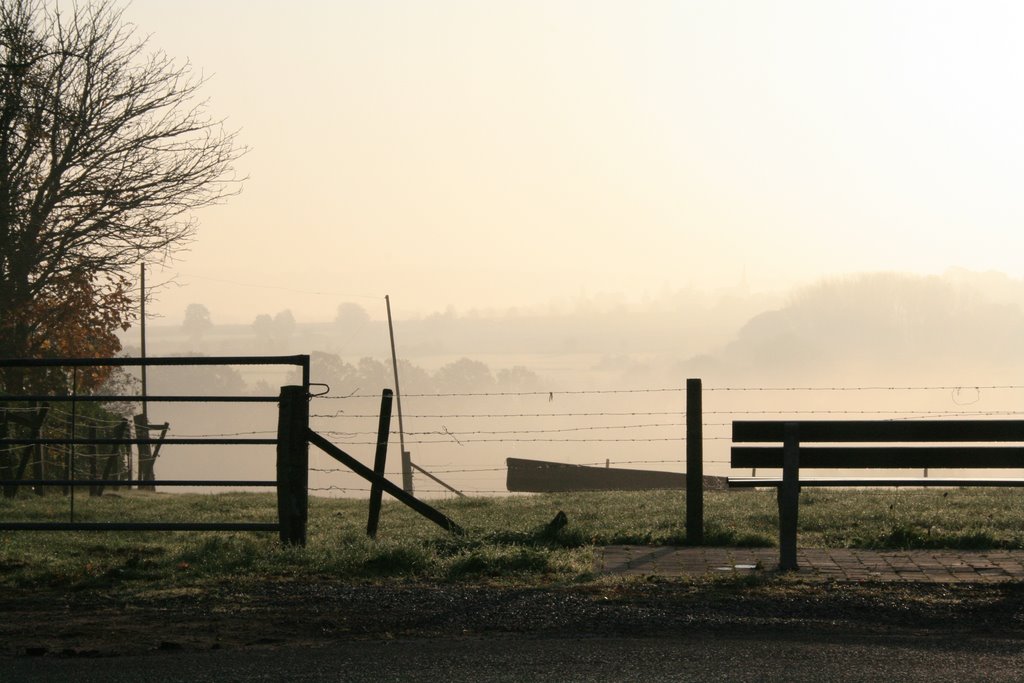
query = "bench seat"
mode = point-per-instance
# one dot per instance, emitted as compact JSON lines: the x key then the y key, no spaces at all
{"x":772,"y":482}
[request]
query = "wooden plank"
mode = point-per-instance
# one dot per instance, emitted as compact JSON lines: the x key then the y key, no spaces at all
{"x":138,"y":526}
{"x":880,"y":431}
{"x":254,"y":483}
{"x":884,"y":457}
{"x":540,"y":476}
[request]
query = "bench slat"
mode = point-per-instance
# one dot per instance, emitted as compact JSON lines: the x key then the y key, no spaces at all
{"x":880,"y":431}
{"x":884,"y":457}
{"x":752,"y":482}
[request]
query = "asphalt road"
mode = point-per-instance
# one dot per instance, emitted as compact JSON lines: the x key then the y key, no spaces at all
{"x":744,"y":655}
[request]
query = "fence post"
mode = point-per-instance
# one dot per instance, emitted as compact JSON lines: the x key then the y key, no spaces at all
{"x":379,"y":462}
{"x":293,"y":464}
{"x":94,"y":454}
{"x":146,"y":468}
{"x":407,"y":471}
{"x":694,"y":463}
{"x":69,"y":454}
{"x":7,"y":461}
{"x":40,"y":451}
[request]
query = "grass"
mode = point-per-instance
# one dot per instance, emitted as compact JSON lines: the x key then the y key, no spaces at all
{"x":506,"y":540}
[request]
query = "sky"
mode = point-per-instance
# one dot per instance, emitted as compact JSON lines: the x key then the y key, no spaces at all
{"x":489,"y":155}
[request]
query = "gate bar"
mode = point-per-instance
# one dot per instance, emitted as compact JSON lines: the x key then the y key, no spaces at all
{"x":137,"y":482}
{"x":138,"y":526}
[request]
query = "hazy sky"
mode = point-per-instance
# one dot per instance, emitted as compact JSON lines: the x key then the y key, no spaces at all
{"x":487,"y":154}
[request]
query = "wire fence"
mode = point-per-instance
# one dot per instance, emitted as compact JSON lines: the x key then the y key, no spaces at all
{"x":465,"y":438}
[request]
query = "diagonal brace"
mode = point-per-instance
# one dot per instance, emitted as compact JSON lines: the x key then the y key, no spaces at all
{"x":434,"y":515}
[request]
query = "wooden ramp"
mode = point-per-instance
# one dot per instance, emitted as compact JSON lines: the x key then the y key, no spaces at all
{"x":540,"y":476}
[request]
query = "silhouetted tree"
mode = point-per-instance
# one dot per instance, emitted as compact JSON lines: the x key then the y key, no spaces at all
{"x":331,"y":370}
{"x":518,"y":378}
{"x":104,"y":152}
{"x":203,"y":380}
{"x":464,"y":375}
{"x":351,"y":316}
{"x":372,"y":376}
{"x":274,"y":333}
{"x":415,"y":380}
{"x":197,"y":322}
{"x":263,"y":327}
{"x":284,"y":328}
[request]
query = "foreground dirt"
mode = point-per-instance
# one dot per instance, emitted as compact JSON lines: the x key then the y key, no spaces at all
{"x":104,"y":623}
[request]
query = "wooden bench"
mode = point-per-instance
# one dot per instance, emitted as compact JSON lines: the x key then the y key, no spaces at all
{"x":868,"y":445}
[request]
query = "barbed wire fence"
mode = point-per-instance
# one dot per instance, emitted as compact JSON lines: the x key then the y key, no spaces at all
{"x":465,"y":438}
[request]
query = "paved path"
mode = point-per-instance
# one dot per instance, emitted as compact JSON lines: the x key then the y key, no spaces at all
{"x":928,"y":566}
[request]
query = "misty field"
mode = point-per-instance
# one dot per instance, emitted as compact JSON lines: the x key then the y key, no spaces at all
{"x":506,"y":539}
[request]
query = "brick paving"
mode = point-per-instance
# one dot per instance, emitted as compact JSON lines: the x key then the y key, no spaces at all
{"x":841,"y":564}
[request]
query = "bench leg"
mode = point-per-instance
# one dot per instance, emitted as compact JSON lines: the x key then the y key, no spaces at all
{"x":787,"y":528}
{"x":789,"y":499}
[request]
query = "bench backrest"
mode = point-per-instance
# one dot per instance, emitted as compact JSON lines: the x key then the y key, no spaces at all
{"x":901,"y":444}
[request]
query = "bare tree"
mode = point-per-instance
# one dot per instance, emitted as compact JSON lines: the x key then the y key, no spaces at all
{"x":197,"y":322}
{"x":105,"y":151}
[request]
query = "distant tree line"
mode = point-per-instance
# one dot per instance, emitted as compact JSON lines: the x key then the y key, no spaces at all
{"x":463,"y":375}
{"x":366,"y":375}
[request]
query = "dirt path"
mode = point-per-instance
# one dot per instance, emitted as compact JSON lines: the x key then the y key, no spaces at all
{"x":90,"y":624}
{"x":748,"y":655}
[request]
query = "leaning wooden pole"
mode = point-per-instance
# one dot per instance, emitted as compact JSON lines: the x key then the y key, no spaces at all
{"x":406,"y":456}
{"x":694,"y":463}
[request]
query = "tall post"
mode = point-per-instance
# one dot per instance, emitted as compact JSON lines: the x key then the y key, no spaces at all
{"x":142,"y":368}
{"x":293,"y":465}
{"x":40,"y":451}
{"x":142,"y":330}
{"x":74,"y":435}
{"x":379,"y":463}
{"x":406,"y":456}
{"x":94,"y":452}
{"x":146,"y":457}
{"x":65,"y":465}
{"x":694,"y":463}
{"x":124,"y":453}
{"x":7,"y":462}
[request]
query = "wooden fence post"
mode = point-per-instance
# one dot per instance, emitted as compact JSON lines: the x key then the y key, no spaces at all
{"x":69,"y":454}
{"x":146,"y":472}
{"x":124,"y":453}
{"x":112,"y":465}
{"x":379,"y":462}
{"x":40,"y":450}
{"x":7,"y":461}
{"x":94,"y":454}
{"x":407,"y":466}
{"x":694,"y":463}
{"x":293,"y":464}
